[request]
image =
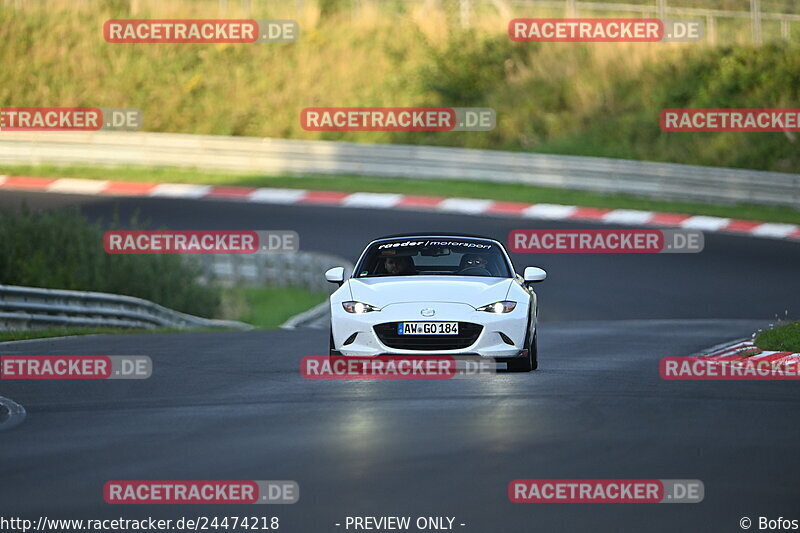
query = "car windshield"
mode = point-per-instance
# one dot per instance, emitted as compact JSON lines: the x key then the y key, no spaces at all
{"x":424,"y":256}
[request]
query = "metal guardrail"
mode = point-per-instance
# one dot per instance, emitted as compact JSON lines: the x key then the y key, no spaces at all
{"x":34,"y":308}
{"x":23,"y":308}
{"x":301,"y":269}
{"x":661,"y":9}
{"x":666,"y":181}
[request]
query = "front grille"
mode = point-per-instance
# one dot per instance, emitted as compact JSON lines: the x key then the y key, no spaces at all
{"x":467,"y":335}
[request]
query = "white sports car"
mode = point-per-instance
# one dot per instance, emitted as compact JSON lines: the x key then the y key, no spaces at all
{"x":436,"y":295}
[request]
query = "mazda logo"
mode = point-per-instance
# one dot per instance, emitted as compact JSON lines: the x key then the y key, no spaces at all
{"x":428,"y":311}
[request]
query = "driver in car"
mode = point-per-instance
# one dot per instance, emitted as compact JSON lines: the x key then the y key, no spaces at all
{"x":399,"y":265}
{"x":470,"y":261}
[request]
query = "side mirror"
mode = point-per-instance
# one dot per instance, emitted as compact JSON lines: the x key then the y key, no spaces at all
{"x":335,"y":275}
{"x":534,"y":275}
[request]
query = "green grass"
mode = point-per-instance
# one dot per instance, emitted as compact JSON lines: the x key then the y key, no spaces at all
{"x":269,"y":307}
{"x":467,"y":189}
{"x":785,"y":338}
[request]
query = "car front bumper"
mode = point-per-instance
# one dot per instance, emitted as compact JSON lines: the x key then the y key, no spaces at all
{"x":489,"y":342}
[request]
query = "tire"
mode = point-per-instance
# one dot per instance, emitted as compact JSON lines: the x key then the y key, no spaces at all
{"x":331,"y":347}
{"x":528,"y":363}
{"x":533,"y":352}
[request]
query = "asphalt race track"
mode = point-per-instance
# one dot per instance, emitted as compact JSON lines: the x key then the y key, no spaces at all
{"x":232,"y":405}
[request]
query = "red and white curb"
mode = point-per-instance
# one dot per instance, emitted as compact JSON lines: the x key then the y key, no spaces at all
{"x":746,"y":351}
{"x":469,"y":206}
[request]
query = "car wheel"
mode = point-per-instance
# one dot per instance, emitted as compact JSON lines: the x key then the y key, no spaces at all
{"x":533,"y":352}
{"x":529,"y":363}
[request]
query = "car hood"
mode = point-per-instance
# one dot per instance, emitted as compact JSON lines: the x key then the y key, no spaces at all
{"x":471,"y":290}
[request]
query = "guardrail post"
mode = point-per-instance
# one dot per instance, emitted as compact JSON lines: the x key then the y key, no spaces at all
{"x":308,"y":272}
{"x":464,"y":12}
{"x":249,"y":269}
{"x":661,"y":9}
{"x":755,"y":16}
{"x":224,"y":269}
{"x":571,"y":9}
{"x":711,"y":29}
{"x":272,"y":276}
{"x":785,"y":29}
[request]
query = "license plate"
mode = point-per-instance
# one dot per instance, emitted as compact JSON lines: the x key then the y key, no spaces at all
{"x":427,"y":328}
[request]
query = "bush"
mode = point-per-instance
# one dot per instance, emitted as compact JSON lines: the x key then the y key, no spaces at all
{"x":784,"y":338}
{"x":63,"y":250}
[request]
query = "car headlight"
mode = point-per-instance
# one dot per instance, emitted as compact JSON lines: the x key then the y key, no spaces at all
{"x":359,"y":308}
{"x":505,"y":306}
